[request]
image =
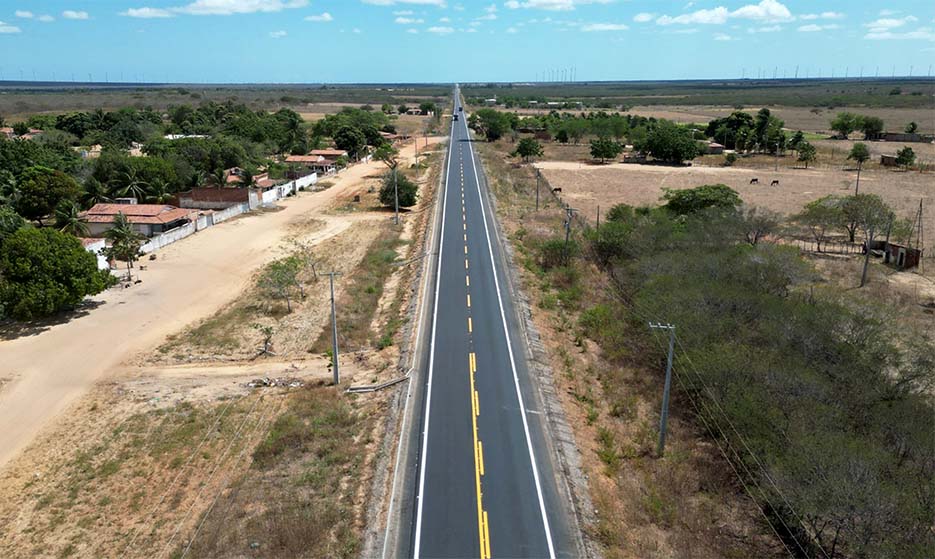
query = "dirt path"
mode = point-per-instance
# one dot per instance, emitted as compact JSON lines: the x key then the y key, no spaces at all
{"x":50,"y":370}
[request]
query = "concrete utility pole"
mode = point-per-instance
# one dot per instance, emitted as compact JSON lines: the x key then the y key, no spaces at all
{"x":334,"y":332}
{"x":668,"y":385}
{"x":569,"y":213}
{"x":538,"y":174}
{"x":396,"y":195}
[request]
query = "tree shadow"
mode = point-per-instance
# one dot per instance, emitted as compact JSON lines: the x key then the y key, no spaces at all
{"x":11,"y":330}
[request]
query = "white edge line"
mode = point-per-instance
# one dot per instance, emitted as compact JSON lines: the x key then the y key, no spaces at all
{"x":509,"y":347}
{"x":402,"y":430}
{"x":428,"y":385}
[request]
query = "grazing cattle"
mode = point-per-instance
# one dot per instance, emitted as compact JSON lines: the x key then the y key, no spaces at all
{"x":556,"y":190}
{"x":774,"y":183}
{"x":754,"y":181}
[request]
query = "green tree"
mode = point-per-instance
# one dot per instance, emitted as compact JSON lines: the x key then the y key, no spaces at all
{"x":905,"y":157}
{"x":402,"y":109}
{"x":125,"y":242}
{"x":562,"y":136}
{"x":529,"y":147}
{"x":351,"y":140}
{"x":670,"y":143}
{"x":129,"y":184}
{"x":280,"y":280}
{"x":68,"y":219}
{"x":859,"y":153}
{"x":845,"y":123}
{"x":159,"y":192}
{"x":20,"y":128}
{"x":605,"y":148}
{"x":807,"y":153}
{"x":427,"y":107}
{"x":871,"y":126}
{"x":872,"y":216}
{"x":911,"y":128}
{"x":797,"y":140}
{"x":408,"y":191}
{"x":41,"y":190}
{"x":10,"y":222}
{"x":694,"y":200}
{"x":820,"y":217}
{"x":94,"y":193}
{"x":44,"y":271}
{"x":491,"y":123}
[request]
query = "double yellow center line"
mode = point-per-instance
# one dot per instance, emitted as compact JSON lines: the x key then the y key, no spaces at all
{"x":483,"y":529}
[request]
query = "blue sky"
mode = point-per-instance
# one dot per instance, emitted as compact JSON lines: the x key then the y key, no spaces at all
{"x":304,"y":41}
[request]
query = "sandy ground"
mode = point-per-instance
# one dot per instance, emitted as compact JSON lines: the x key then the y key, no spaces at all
{"x":587,"y":186}
{"x":48,"y":369}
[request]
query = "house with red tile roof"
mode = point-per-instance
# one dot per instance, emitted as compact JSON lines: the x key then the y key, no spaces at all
{"x":147,"y":219}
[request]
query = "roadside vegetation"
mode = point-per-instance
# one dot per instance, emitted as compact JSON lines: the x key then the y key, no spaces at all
{"x":801,"y":412}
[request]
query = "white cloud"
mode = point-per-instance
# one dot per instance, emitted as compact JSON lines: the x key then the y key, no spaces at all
{"x":554,"y":5}
{"x":813,"y":28}
{"x":444,"y":19}
{"x":890,"y":23}
{"x":722,"y":37}
{"x":72,"y":14}
{"x":413,"y":31}
{"x":486,"y":17}
{"x":230,"y":7}
{"x":356,"y":30}
{"x":491,"y":9}
{"x":403,"y":13}
{"x":6,"y":28}
{"x":767,"y":11}
{"x":440,"y":30}
{"x":822,"y":15}
{"x":277,"y":34}
{"x":593,"y":27}
{"x":643,"y":17}
{"x":885,"y":13}
{"x":767,"y":29}
{"x":24,"y":14}
{"x":408,"y":20}
{"x":512,"y":30}
{"x":45,"y":18}
{"x":147,"y":13}
{"x":322,"y":17}
{"x":920,"y":34}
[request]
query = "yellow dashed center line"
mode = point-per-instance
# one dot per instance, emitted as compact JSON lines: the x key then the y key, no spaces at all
{"x":467,"y":281}
{"x":470,"y":325}
{"x":469,"y":300}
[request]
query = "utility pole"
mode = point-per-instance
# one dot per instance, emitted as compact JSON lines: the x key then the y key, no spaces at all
{"x":538,"y":174}
{"x":569,"y":213}
{"x":396,"y":194}
{"x":668,"y":385}
{"x":334,"y":332}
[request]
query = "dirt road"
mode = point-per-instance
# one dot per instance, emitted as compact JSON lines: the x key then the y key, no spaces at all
{"x":50,"y":370}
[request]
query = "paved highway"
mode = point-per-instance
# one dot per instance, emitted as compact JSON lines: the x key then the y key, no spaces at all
{"x":484,"y":484}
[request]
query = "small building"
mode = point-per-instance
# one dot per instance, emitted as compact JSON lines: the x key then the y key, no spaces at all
{"x":414,"y":111}
{"x":901,"y":256}
{"x":185,"y":136}
{"x":314,"y":163}
{"x":210,"y":198}
{"x":715,"y":148}
{"x":7,"y":132}
{"x":146,"y":219}
{"x":907,"y":137}
{"x":89,"y":152}
{"x":96,"y":247}
{"x":329,"y":153}
{"x":888,"y":161}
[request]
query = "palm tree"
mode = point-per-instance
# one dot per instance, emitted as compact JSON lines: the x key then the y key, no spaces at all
{"x":130,"y":184}
{"x":198,"y":179}
{"x":94,"y":193}
{"x":99,"y":119}
{"x":218,"y":178}
{"x":68,"y":219}
{"x":158,"y":192}
{"x":8,"y":190}
{"x":247,"y":179}
{"x":125,"y":242}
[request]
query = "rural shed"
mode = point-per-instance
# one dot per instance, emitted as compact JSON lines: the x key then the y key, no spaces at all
{"x":888,"y":160}
{"x":146,"y":219}
{"x":901,"y":256}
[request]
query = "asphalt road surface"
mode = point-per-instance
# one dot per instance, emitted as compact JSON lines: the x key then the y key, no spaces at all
{"x":485,"y":486}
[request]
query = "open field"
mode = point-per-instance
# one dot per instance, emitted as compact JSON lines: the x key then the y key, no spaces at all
{"x":586,"y":186}
{"x":853,"y":93}
{"x":19,"y":101}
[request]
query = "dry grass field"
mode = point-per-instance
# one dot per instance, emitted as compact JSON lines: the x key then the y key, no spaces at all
{"x":585,"y":186}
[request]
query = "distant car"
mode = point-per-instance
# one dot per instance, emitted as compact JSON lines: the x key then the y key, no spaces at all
{"x":456,"y":117}
{"x":460,"y":109}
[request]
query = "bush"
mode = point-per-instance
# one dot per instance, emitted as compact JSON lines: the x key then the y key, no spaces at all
{"x":554,"y":253}
{"x":692,"y":200}
{"x":44,"y":271}
{"x":730,"y":159}
{"x":407,"y":190}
